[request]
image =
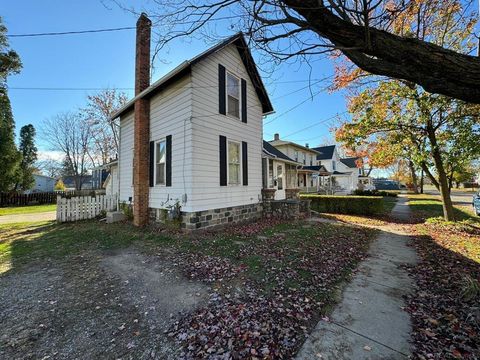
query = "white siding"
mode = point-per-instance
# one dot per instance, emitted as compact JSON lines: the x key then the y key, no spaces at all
{"x":208,"y":125}
{"x":125,"y":157}
{"x":170,"y":114}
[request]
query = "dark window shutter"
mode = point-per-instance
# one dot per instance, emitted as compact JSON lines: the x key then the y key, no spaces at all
{"x":244,"y":100}
{"x":152,"y":163}
{"x":223,"y":160}
{"x":168,"y":164}
{"x":222,"y":107}
{"x":245,"y":163}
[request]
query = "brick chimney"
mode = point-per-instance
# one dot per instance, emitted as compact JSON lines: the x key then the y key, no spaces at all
{"x":276,"y":136}
{"x":141,"y":123}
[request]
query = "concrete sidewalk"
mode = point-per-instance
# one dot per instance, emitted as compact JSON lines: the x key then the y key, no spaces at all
{"x":369,"y":322}
{"x":34,"y":217}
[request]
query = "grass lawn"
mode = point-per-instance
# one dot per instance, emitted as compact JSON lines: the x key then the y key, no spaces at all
{"x":281,"y":276}
{"x":27,"y":209}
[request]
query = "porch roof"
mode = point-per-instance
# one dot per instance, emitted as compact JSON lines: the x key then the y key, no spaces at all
{"x":322,"y":170}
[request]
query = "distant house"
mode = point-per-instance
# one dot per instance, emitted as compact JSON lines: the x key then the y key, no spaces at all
{"x":71,"y":184}
{"x":347,"y":173}
{"x":308,"y":173}
{"x":42,"y":183}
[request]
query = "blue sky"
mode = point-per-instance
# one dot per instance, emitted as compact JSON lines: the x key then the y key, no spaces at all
{"x":106,"y":60}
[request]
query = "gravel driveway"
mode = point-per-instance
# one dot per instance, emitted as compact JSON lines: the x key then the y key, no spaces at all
{"x":94,"y":305}
{"x":19,"y":218}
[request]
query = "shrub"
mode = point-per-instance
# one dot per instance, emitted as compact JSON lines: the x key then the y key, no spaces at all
{"x":352,"y":205}
{"x":375,"y":193}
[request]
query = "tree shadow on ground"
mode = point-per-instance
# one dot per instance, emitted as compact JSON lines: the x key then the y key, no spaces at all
{"x":444,"y":306}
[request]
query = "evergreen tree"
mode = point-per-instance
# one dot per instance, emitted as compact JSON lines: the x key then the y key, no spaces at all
{"x":10,"y":157}
{"x":29,"y":156}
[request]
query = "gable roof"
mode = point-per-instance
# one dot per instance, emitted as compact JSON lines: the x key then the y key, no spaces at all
{"x":351,"y":162}
{"x":286,"y":142}
{"x":185,"y":68}
{"x":325,"y":152}
{"x":270,"y":150}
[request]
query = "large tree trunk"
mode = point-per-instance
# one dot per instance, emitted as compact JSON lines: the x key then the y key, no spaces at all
{"x":411,"y":166}
{"x":436,"y":69}
{"x":442,"y":176}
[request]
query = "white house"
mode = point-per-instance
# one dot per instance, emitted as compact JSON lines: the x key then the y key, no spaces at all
{"x":280,"y":172}
{"x":193,"y":139}
{"x":346,"y":173}
{"x":111,"y":183}
{"x":42,"y":183}
{"x":307,"y":175}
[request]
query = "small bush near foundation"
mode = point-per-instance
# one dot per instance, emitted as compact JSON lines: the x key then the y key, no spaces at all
{"x":352,"y":205}
{"x":375,"y":193}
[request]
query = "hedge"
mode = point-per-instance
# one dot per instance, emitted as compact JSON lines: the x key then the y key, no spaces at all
{"x":376,"y":193}
{"x":352,"y":205}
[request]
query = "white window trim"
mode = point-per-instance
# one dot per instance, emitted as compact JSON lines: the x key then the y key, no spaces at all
{"x":155,"y":164}
{"x":239,"y":163}
{"x":240,"y":100}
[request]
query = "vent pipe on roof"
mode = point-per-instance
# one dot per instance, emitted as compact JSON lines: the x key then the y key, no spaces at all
{"x":307,"y":146}
{"x":276,"y":136}
{"x":141,"y":147}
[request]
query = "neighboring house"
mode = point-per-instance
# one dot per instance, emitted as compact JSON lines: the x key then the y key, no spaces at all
{"x":111,"y":184}
{"x":279,"y":171}
{"x":70,"y":183}
{"x":99,"y":175}
{"x":42,"y":183}
{"x":195,"y":138}
{"x":346,"y":173}
{"x":308,"y":175}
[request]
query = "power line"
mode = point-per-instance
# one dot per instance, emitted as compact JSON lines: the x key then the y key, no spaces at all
{"x":313,"y":82}
{"x":316,"y":124}
{"x":71,"y":32}
{"x":60,"y":33}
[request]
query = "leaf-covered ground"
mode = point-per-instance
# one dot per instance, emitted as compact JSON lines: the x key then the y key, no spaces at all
{"x":271,"y":285}
{"x":264,"y":286}
{"x":445,"y":306}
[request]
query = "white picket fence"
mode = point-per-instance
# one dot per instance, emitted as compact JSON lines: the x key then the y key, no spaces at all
{"x":84,"y":207}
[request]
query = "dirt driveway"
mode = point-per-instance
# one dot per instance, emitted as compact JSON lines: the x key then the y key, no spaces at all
{"x":97,"y":305}
{"x":19,"y":218}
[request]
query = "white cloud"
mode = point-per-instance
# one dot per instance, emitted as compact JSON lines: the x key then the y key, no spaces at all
{"x":50,"y":155}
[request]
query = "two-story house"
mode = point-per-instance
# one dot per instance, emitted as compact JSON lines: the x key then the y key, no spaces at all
{"x":347,"y":174}
{"x":308,"y":172}
{"x":192,"y":141}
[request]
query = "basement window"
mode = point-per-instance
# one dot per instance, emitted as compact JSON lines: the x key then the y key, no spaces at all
{"x":160,"y":159}
{"x":233,"y":95}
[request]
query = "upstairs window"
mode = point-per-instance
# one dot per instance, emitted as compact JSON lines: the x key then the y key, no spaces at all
{"x":233,"y":163}
{"x":304,"y":158}
{"x":296,"y":155}
{"x":233,"y":95}
{"x":160,"y":159}
{"x":334,"y":165}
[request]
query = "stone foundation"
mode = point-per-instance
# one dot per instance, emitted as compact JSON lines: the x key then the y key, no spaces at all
{"x":209,"y":218}
{"x":286,"y":209}
{"x":292,"y":193}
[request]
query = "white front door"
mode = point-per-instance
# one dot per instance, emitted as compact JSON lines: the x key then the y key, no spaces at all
{"x":279,"y":170}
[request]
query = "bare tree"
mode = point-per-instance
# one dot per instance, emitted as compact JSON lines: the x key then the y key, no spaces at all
{"x":49,"y":167}
{"x":104,"y":130}
{"x":70,"y":134}
{"x":362,"y":30}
